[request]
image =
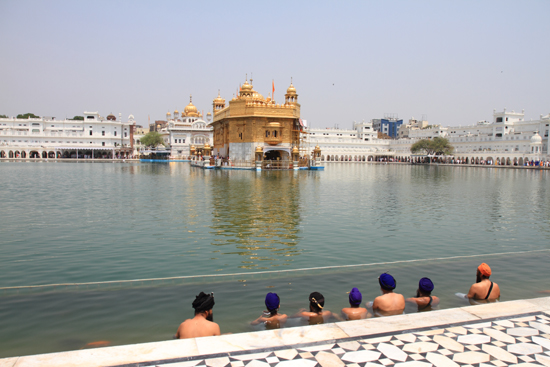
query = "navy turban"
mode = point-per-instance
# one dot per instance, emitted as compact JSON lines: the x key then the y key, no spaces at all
{"x":426,"y":285}
{"x":387,"y":281}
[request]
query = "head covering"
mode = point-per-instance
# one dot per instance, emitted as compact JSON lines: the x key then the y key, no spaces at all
{"x":387,"y":281}
{"x":203,"y":302}
{"x":355,"y":297}
{"x":426,"y":285}
{"x":272,"y":301}
{"x":484,"y":269}
{"x":317,"y":300}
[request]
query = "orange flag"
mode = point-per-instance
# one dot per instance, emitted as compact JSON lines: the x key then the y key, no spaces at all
{"x":273,"y":88}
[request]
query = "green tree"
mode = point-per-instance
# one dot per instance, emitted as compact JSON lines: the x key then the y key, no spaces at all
{"x":152,"y":139}
{"x":435,"y":146}
{"x":3,"y":117}
{"x":78,"y":118}
{"x":28,"y":116}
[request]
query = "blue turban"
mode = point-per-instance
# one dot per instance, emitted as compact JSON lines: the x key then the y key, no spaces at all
{"x":426,"y":285}
{"x":272,"y":301}
{"x":387,"y":281}
{"x":355,"y":297}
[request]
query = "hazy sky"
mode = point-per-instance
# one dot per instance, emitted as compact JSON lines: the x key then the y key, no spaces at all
{"x":453,"y":61}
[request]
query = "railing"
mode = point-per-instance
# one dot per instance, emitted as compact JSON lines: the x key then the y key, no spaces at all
{"x":240,"y":163}
{"x":277,"y":165}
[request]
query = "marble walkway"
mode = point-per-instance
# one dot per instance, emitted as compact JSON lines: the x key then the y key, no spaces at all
{"x":515,"y":333}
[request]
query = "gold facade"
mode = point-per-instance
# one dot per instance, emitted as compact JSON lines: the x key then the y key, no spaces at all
{"x":251,"y":118}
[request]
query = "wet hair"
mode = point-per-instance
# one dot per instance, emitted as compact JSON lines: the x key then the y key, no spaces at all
{"x":316,"y":302}
{"x":203,"y":302}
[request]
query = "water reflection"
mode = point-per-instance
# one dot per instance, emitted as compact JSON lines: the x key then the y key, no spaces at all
{"x":256,"y":216}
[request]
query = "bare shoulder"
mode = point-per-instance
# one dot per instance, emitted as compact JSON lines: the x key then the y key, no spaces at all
{"x":413,"y":300}
{"x":214,"y":328}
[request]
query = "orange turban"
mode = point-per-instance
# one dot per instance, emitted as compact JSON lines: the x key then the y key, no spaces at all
{"x":484,"y":269}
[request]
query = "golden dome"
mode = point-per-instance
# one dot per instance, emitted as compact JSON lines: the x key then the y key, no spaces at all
{"x":246,"y":86}
{"x":208,"y":114}
{"x":190,"y":109}
{"x":168,"y":113}
{"x":257,"y":95}
{"x":295,"y":149}
{"x":193,"y":147}
{"x":291,"y":89}
{"x":219,"y":99}
{"x":176,"y":111}
{"x":259,"y":149}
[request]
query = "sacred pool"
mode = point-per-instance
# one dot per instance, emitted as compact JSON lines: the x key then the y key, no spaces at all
{"x":114,"y":253}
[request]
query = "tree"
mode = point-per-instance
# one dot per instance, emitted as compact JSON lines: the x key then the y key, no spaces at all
{"x":152,"y":139}
{"x":3,"y":117}
{"x":28,"y":116}
{"x":435,"y":146}
{"x":78,"y":118}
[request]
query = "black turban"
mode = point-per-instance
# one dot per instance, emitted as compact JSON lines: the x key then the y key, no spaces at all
{"x":203,"y":302}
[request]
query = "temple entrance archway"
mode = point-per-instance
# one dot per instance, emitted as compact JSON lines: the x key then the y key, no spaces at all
{"x":273,"y":155}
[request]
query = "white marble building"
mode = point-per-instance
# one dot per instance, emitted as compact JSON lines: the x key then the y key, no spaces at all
{"x":95,"y":137}
{"x":343,"y":145}
{"x":508,"y":139}
{"x":185,"y":131}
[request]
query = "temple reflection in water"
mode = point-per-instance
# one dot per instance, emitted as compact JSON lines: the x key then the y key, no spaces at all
{"x":257,"y":219}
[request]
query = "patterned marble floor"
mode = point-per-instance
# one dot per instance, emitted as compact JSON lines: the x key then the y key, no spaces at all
{"x":522,"y":341}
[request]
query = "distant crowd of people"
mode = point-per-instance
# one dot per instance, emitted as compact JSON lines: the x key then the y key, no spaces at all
{"x":389,"y":303}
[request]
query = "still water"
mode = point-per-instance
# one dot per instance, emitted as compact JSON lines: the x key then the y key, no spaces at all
{"x":242,"y":234}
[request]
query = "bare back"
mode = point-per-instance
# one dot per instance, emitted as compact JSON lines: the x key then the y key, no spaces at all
{"x":315,"y":318}
{"x":389,"y":304}
{"x":355,"y":313}
{"x":197,"y":327}
{"x":425,"y":303}
{"x":479,"y":291}
{"x":274,"y":322}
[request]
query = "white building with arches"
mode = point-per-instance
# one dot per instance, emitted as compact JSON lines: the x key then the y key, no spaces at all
{"x":506,"y":140}
{"x":359,"y":144}
{"x":45,"y":137}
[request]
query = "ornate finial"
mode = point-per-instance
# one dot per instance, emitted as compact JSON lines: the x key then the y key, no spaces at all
{"x":250,"y":77}
{"x":218,"y":92}
{"x":246,"y":76}
{"x":290,"y":80}
{"x":190,"y":98}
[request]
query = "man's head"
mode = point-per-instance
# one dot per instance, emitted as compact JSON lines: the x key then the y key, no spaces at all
{"x":483,"y":272}
{"x":425,"y":287}
{"x":316,"y":302}
{"x":387,"y":282}
{"x":272,"y":302}
{"x":355,"y":298}
{"x":203,"y":304}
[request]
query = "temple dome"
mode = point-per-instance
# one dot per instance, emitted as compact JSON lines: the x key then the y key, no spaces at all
{"x":536,"y":139}
{"x":246,"y":86}
{"x":219,"y":99}
{"x":291,"y":89}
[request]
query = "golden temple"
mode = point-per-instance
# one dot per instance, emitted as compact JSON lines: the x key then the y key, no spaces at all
{"x":252,"y":127}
